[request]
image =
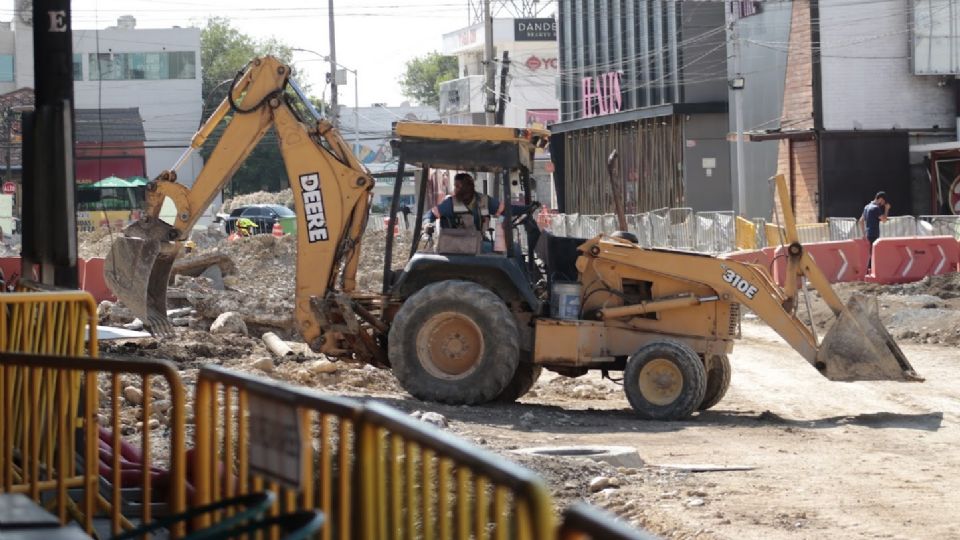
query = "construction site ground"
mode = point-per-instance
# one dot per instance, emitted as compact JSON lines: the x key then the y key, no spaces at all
{"x":787,"y":454}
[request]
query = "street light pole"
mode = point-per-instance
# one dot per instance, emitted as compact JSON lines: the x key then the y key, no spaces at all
{"x":356,"y":95}
{"x":333,"y":71}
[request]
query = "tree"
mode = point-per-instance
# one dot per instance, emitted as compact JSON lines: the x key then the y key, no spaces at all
{"x":421,"y":81}
{"x":224,"y":51}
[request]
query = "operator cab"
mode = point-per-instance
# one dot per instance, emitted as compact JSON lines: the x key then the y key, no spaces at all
{"x":498,"y":159}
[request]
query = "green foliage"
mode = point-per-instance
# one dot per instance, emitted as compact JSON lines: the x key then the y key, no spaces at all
{"x":421,"y":81}
{"x":224,"y":51}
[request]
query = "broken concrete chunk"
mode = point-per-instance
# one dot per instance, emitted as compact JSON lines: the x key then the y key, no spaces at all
{"x":599,"y":483}
{"x":436,"y":419}
{"x":229,"y":323}
{"x":322,"y":366}
{"x":134,"y":395}
{"x":264,"y":364}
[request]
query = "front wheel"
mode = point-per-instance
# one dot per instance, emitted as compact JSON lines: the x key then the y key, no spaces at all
{"x":718,"y":380}
{"x":665,"y":380}
{"x":454,"y":342}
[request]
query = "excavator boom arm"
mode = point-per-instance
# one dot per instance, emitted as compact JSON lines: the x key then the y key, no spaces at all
{"x":331,"y":192}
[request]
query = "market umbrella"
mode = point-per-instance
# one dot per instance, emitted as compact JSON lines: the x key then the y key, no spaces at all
{"x":137,"y":181}
{"x":111,"y":182}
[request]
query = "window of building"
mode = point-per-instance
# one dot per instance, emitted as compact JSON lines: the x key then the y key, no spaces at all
{"x":143,"y":66}
{"x":78,"y":67}
{"x":6,"y":68}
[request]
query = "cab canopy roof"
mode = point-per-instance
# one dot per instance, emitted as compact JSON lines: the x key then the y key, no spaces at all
{"x":467,"y":147}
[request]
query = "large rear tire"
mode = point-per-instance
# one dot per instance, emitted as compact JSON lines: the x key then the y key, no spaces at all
{"x":454,"y":342}
{"x":523,"y":380}
{"x":718,"y":380}
{"x":665,"y":380}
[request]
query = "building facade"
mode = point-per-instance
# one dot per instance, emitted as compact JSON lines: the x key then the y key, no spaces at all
{"x":156,"y":71}
{"x":646,"y":78}
{"x":529,"y":92}
{"x":844,"y":99}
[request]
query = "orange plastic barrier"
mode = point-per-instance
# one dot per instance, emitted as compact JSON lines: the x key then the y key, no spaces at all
{"x":91,"y":280}
{"x":902,"y":260}
{"x":840,"y":261}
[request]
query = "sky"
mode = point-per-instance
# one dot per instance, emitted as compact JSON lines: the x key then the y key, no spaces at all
{"x":373,"y":37}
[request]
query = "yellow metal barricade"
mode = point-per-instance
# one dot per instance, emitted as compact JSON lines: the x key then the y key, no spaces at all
{"x":320,"y":451}
{"x":48,"y":444}
{"x":746,"y":232}
{"x":584,"y":522}
{"x":776,"y":236}
{"x":419,"y":482}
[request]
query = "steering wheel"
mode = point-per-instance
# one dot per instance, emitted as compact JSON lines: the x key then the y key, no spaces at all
{"x":525,"y":213}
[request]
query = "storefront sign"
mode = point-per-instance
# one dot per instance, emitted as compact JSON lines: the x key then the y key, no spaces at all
{"x":534,"y":30}
{"x":601,"y":95}
{"x":535,"y":63}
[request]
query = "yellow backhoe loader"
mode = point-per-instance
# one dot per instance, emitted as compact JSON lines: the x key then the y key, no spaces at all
{"x":465,"y":324}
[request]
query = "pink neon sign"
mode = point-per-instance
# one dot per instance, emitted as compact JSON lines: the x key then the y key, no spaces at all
{"x":601,"y":94}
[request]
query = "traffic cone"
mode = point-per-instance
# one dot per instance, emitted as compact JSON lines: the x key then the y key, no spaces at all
{"x":277,"y":230}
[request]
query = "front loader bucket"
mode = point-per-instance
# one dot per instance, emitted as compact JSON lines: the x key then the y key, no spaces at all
{"x":859,"y":348}
{"x":137,"y":270}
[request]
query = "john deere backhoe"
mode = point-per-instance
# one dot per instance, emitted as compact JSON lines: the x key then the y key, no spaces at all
{"x":465,"y":324}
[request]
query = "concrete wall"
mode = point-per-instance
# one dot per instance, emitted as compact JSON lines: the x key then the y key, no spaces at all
{"x":765,"y":70}
{"x":867,"y":76}
{"x":705,"y":138}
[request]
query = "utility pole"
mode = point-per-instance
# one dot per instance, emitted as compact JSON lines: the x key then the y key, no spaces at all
{"x":335,"y":112}
{"x":490,"y":80}
{"x":737,"y":84}
{"x":502,"y":100}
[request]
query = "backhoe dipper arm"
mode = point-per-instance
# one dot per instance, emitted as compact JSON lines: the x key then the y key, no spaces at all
{"x":331,"y":193}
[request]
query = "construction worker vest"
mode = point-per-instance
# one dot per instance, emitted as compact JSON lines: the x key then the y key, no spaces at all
{"x":465,"y":216}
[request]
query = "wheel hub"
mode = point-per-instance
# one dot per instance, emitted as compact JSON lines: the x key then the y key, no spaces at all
{"x":449,"y":345}
{"x":661,"y":381}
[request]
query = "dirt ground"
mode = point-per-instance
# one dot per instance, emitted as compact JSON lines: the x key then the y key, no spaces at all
{"x":805,"y":457}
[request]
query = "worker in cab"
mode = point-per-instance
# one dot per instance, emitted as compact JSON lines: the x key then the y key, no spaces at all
{"x":465,"y":209}
{"x":246,"y":227}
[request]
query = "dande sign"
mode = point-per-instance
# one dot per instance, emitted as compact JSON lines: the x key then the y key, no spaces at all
{"x":601,"y":94}
{"x":534,"y":30}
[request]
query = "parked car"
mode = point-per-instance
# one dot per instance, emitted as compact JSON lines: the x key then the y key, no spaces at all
{"x":264,"y":215}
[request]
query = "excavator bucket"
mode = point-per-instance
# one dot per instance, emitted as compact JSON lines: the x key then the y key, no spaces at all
{"x":138,"y":254}
{"x":859,"y":348}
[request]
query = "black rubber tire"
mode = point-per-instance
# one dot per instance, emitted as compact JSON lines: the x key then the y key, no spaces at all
{"x":523,"y":380}
{"x":499,"y":335}
{"x":693,"y":380}
{"x":718,"y":380}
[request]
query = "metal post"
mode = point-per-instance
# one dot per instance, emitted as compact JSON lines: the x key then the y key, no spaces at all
{"x":738,"y":105}
{"x":335,"y":112}
{"x":490,"y":79}
{"x":356,"y":114}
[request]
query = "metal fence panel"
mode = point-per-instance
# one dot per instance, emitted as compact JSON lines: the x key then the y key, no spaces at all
{"x":226,"y":434}
{"x":941,"y":226}
{"x":609,"y":224}
{"x":715,"y":232}
{"x":843,"y":229}
{"x":898,"y":226}
{"x":589,"y":226}
{"x":813,"y":232}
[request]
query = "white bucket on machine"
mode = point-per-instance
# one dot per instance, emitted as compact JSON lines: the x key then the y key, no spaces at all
{"x":565,"y":301}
